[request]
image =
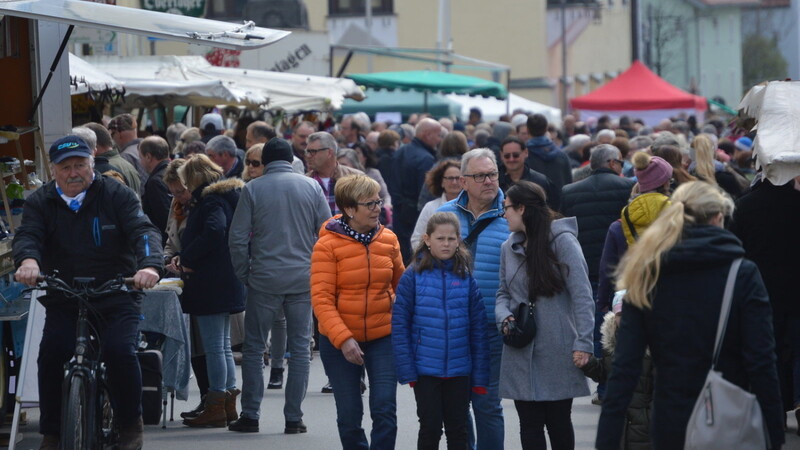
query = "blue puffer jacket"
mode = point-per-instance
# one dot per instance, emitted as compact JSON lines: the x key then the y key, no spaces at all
{"x":438,"y":326}
{"x":486,"y":251}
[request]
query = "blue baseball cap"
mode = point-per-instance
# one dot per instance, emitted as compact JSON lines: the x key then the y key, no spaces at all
{"x":68,"y":147}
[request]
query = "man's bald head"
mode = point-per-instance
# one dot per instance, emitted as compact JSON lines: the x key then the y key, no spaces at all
{"x":429,"y":131}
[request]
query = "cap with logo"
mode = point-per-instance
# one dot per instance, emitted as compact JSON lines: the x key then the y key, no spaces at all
{"x":68,"y":147}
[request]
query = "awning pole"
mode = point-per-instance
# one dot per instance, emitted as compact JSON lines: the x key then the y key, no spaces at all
{"x":53,"y":67}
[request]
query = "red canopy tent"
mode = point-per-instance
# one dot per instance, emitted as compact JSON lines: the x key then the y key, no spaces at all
{"x":639,"y":93}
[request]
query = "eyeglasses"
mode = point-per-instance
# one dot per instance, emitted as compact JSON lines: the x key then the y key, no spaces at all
{"x":314,"y":152}
{"x":451,"y":179}
{"x":618,"y":161}
{"x":504,"y":207}
{"x":372,"y":205}
{"x":511,"y":155}
{"x":481,"y":177}
{"x":252,"y":162}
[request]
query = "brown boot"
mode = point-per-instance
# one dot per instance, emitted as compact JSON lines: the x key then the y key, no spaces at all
{"x":131,"y":436}
{"x":49,"y":442}
{"x":213,"y":416}
{"x":230,"y":404}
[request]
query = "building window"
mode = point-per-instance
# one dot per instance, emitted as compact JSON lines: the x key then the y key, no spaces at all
{"x":357,"y":7}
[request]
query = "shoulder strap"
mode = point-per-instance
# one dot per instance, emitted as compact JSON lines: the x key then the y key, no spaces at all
{"x":725,"y":310}
{"x":473,"y":235}
{"x":629,"y":223}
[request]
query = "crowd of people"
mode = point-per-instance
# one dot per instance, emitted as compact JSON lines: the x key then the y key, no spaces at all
{"x":473,"y":261}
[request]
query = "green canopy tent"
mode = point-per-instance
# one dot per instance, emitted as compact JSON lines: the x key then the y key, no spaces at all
{"x":427,"y":82}
{"x":406,"y":103}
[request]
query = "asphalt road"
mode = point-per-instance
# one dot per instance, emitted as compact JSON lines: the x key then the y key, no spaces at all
{"x":320,"y":417}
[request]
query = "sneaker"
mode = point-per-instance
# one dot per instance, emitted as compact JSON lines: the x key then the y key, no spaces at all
{"x":244,"y":425}
{"x":327,"y":389}
{"x":295,"y":427}
{"x":596,"y":400}
{"x":275,"y":379}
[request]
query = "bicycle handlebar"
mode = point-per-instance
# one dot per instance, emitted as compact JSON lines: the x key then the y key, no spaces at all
{"x":113,"y":286}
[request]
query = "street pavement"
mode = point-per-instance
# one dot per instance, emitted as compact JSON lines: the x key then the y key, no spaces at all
{"x":320,"y":417}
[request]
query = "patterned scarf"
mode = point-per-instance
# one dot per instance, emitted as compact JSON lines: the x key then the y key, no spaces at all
{"x":364,"y":238}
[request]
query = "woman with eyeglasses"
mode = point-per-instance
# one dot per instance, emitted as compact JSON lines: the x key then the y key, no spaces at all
{"x":355,"y":268}
{"x":542,"y":264}
{"x":444,"y":182}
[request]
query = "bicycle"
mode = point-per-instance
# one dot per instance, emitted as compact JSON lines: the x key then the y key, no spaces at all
{"x":87,"y":419}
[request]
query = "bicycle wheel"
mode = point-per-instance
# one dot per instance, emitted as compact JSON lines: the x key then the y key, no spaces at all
{"x":75,"y":418}
{"x":106,"y":434}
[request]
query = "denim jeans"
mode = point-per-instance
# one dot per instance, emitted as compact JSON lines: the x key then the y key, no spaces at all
{"x":345,"y":377}
{"x":488,"y":412}
{"x":261,"y":311}
{"x":215,"y":332}
{"x":277,"y":341}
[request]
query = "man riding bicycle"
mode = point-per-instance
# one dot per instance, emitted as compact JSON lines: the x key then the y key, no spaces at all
{"x":83,"y":224}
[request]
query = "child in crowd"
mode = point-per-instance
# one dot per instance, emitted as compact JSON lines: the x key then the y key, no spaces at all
{"x":439,"y":334}
{"x":636,"y":435}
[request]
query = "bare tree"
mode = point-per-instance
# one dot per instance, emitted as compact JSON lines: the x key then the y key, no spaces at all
{"x":660,"y":30}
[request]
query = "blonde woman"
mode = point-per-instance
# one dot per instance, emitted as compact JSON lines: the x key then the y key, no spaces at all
{"x":706,"y":168}
{"x":675,"y":276}
{"x":252,"y":163}
{"x":211,"y":290}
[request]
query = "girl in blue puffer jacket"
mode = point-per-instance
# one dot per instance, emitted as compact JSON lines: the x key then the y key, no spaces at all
{"x":439,"y":333}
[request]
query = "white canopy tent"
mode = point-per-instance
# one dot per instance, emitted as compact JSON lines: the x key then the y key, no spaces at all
{"x":191,"y":80}
{"x":85,"y":78}
{"x":492,"y":108}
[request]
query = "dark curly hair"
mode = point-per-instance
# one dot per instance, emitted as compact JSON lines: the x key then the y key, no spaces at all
{"x":434,"y":177}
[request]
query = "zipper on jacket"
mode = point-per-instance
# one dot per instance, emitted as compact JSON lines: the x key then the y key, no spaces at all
{"x":146,"y":244}
{"x":366,"y":294}
{"x":98,"y":241}
{"x":446,"y":322}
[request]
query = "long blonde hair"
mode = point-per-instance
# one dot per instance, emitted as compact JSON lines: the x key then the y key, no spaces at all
{"x":704,"y":158}
{"x":693,"y":203}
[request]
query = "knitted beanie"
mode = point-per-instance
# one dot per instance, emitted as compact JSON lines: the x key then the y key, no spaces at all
{"x":277,"y":150}
{"x":650,"y":171}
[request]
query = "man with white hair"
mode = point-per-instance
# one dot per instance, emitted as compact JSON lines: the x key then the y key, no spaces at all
{"x":222,"y":150}
{"x":83,"y":224}
{"x":411,"y":162}
{"x":605,"y":136}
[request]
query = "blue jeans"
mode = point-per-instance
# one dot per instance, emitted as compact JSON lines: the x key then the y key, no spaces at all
{"x":261,"y":312}
{"x":345,"y":377}
{"x":215,"y":332}
{"x":488,"y":412}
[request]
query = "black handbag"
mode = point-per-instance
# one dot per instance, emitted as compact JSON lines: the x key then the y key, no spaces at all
{"x":522,"y":329}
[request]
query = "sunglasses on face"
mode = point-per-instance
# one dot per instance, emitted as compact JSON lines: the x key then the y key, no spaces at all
{"x":511,"y":155}
{"x":252,"y":162}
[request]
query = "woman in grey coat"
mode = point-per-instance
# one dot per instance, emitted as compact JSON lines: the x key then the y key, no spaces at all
{"x":543,"y":257}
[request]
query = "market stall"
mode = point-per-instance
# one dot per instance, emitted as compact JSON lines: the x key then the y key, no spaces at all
{"x":639,"y":93}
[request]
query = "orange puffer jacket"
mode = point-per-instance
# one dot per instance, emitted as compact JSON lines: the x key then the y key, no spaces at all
{"x":353,"y":285}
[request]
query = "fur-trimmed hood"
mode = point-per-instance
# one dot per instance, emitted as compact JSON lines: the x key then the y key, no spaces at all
{"x":608,"y":331}
{"x":223,"y":186}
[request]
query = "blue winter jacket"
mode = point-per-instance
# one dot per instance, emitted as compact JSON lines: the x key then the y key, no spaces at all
{"x":438,"y":326}
{"x":486,"y":251}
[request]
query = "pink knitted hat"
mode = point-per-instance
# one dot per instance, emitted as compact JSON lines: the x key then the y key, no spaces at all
{"x":657,"y":172}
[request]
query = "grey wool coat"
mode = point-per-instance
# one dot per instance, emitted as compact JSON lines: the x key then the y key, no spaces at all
{"x":543,"y":370}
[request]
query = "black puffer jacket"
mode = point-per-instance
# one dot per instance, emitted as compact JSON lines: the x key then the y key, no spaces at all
{"x":213,"y":287}
{"x":636,"y":434}
{"x":107,"y":237}
{"x":596,"y":202}
{"x":680,"y":330}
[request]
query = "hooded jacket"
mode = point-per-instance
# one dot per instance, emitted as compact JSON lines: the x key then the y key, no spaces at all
{"x":439,"y":327}
{"x":680,"y":331}
{"x":546,"y":158}
{"x":636,"y":435}
{"x":543,"y":370}
{"x":213,"y":287}
{"x":353,"y":285}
